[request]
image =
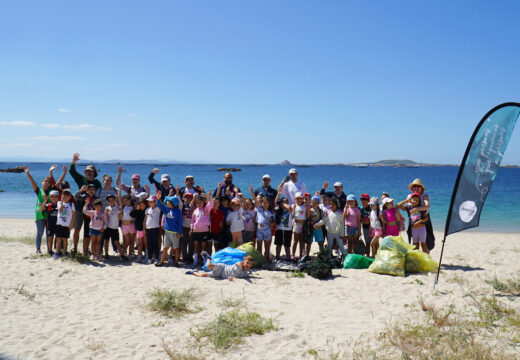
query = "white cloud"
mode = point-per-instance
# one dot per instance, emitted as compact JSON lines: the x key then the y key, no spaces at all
{"x":55,"y":138}
{"x":64,"y":110}
{"x":14,"y":145}
{"x":17,"y":123}
{"x":132,"y":114}
{"x":51,"y":126}
{"x":78,"y":127}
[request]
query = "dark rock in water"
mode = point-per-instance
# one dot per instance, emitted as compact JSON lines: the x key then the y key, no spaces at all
{"x":1,"y":190}
{"x":229,"y":169}
{"x":285,"y":162}
{"x":17,"y":169}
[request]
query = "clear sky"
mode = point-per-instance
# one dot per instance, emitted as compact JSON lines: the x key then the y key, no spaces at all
{"x":254,"y":81}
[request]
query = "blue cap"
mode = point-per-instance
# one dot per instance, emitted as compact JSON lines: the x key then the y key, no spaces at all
{"x":173,"y":199}
{"x":316,"y":198}
{"x":351,"y":197}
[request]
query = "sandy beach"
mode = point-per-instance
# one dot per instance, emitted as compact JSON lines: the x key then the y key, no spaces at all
{"x":69,"y":310}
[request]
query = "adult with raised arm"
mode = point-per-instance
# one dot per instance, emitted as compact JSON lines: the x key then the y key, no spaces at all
{"x":228,"y":188}
{"x":266,"y":190}
{"x":188,"y":187}
{"x":292,"y":186}
{"x":89,"y":177}
{"x":417,"y":186}
{"x":336,"y":194}
{"x":136,"y":191}
{"x":41,"y":216}
{"x":164,"y":186}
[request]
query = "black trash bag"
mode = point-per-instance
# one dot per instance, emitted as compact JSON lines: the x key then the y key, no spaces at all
{"x":289,"y":265}
{"x":321,"y":266}
{"x":359,"y":247}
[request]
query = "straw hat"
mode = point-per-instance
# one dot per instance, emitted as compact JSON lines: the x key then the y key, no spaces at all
{"x":417,"y":182}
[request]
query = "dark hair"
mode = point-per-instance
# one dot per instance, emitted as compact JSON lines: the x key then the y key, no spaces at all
{"x":97,"y":202}
{"x":224,"y":198}
{"x":65,"y":185}
{"x":334,"y":201}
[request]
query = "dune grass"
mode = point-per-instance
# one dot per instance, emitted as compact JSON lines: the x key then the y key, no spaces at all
{"x":509,"y":286}
{"x":231,"y":327}
{"x":23,"y":240}
{"x":172,"y":303}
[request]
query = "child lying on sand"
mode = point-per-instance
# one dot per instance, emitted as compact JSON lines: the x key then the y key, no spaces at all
{"x":222,"y":271}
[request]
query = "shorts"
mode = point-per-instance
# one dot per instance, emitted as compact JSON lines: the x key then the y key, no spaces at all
{"x":263,"y":234}
{"x":297,"y":228}
{"x":376,"y":232}
{"x":283,"y":237}
{"x":317,"y":235}
{"x":419,"y":235}
{"x":86,"y":227}
{"x":140,"y":234}
{"x":171,"y":240}
{"x":111,"y":234}
{"x":214,"y":237}
{"x":248,"y":236}
{"x":128,"y":229}
{"x":51,"y":229}
{"x":200,"y":236}
{"x":217,"y":271}
{"x":78,"y":220}
{"x":351,"y":231}
{"x":94,"y":232}
{"x":62,"y":232}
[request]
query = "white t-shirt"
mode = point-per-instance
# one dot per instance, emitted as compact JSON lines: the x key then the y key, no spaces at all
{"x":300,"y":212}
{"x":291,"y":188}
{"x":236,"y":219}
{"x":375,"y":222}
{"x":65,"y":216}
{"x":285,"y":221}
{"x":153,"y":216}
{"x":113,"y":217}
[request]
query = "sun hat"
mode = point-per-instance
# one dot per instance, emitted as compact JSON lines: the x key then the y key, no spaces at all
{"x":337,"y":183}
{"x":298,"y":195}
{"x":136,"y":176}
{"x":92,"y":168}
{"x":293,"y":171}
{"x":266,"y":176}
{"x":55,"y":192}
{"x":173,"y":199}
{"x":152,"y":198}
{"x":416,"y":182}
{"x":351,"y":197}
{"x":165,"y":177}
{"x":387,"y":200}
{"x":364,"y":197}
{"x":374,"y":201}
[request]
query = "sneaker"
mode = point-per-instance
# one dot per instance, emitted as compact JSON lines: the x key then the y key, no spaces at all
{"x":149,"y":262}
{"x":65,"y":254}
{"x":98,"y":258}
{"x":159,"y":264}
{"x":205,"y":256}
{"x":124,"y":258}
{"x":170,"y":261}
{"x":38,"y":252}
{"x":50,"y":252}
{"x":139,"y":258}
{"x":56,"y":256}
{"x":74,"y":252}
{"x":105,"y":256}
{"x":92,"y":257}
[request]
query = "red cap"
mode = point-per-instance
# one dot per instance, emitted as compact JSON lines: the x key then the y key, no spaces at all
{"x":416,"y":194}
{"x":306,"y":194}
{"x":188,"y":194}
{"x":364,"y":197}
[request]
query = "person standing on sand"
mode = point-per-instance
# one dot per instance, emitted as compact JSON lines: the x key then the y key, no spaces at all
{"x":41,"y":216}
{"x":291,"y":186}
{"x":336,"y":194}
{"x":417,"y":186}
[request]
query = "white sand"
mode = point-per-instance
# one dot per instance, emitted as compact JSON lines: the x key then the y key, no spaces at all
{"x":83,"y":311}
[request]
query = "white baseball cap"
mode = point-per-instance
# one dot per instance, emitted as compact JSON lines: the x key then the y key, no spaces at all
{"x":293,"y":171}
{"x":387,"y":200}
{"x":266,"y":176}
{"x":337,"y":183}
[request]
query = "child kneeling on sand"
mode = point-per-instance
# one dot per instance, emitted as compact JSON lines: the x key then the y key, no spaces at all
{"x":223,"y":271}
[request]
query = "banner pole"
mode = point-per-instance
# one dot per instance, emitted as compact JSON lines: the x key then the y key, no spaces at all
{"x":440,"y":262}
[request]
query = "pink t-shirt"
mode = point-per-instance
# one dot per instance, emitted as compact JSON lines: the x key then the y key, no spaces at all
{"x":351,"y":217}
{"x":200,"y":220}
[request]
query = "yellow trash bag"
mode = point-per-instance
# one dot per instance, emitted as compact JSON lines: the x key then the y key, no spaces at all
{"x":417,"y":261}
{"x":258,"y":258}
{"x":395,"y":243}
{"x":390,"y":262}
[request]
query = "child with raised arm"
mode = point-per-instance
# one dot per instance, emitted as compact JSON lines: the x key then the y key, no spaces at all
{"x":230,"y":272}
{"x":390,"y":217}
{"x":64,"y":222}
{"x":51,"y":208}
{"x":97,"y":225}
{"x":417,"y":220}
{"x":334,"y":223}
{"x":172,"y":226}
{"x":248,"y":235}
{"x":138,"y":214}
{"x":352,"y":222}
{"x":200,"y":224}
{"x":235,"y":220}
{"x":283,"y":219}
{"x":265,"y":220}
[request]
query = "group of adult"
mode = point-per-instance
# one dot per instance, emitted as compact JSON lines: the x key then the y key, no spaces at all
{"x":290,"y":186}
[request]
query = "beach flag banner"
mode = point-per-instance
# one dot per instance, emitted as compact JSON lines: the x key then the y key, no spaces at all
{"x":478,"y":169}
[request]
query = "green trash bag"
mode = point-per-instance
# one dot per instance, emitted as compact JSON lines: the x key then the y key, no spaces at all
{"x":355,"y":261}
{"x":258,"y":258}
{"x":395,"y":243}
{"x":417,"y":261}
{"x":390,"y":262}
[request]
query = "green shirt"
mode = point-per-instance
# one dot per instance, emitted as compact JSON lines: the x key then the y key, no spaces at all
{"x":40,"y":215}
{"x":82,"y":180}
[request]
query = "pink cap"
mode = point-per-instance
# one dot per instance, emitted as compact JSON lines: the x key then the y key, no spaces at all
{"x":136,"y":176}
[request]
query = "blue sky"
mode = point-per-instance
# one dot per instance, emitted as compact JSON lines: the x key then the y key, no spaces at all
{"x":260,"y":82}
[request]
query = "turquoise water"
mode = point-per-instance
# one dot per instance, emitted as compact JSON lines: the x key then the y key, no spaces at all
{"x":501,"y":212}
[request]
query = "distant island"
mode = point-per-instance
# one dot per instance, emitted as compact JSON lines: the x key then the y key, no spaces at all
{"x":380,"y":163}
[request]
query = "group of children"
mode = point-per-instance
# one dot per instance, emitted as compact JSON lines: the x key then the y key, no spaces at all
{"x":186,"y":224}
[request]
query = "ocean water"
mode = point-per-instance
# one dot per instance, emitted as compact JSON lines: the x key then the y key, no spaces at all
{"x":501,"y":212}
